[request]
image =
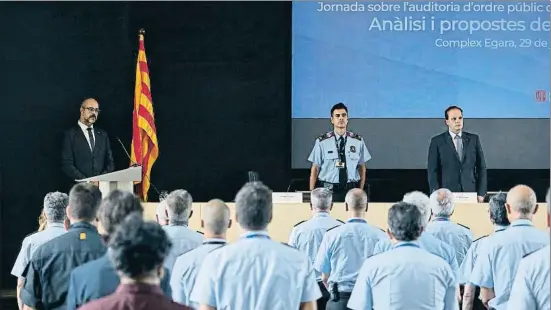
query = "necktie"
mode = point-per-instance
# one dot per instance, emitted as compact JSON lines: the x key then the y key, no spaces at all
{"x":91,"y":136}
{"x":459,"y":147}
{"x":343,"y":176}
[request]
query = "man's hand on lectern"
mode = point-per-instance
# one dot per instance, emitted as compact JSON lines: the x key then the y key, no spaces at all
{"x":480,"y":199}
{"x":96,"y":183}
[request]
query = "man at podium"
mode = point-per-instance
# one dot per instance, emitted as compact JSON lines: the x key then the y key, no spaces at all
{"x":86,"y":150}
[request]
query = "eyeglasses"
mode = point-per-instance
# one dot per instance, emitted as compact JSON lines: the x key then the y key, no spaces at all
{"x":90,"y":109}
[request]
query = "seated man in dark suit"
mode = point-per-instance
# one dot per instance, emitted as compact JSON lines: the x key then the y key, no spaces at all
{"x":98,"y":278}
{"x":456,"y":160}
{"x":86,"y":150}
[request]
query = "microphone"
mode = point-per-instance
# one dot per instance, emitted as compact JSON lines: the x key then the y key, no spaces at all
{"x":134,"y":164}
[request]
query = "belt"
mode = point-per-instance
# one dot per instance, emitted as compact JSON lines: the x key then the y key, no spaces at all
{"x":345,"y":294}
{"x":330,"y":185}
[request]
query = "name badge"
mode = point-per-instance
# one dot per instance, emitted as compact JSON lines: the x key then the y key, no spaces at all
{"x":339,"y":164}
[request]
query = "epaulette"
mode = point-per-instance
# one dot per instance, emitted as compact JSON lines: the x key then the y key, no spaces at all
{"x":354,"y":135}
{"x":480,"y":238}
{"x":463,"y":226}
{"x":333,"y":228}
{"x":200,"y":232}
{"x":530,"y":253}
{"x":340,"y":221}
{"x":292,"y":247}
{"x":299,"y":223}
{"x":382,"y":230}
{"x":218,"y":248}
{"x":326,"y":136}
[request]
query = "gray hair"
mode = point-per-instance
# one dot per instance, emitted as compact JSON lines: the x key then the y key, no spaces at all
{"x":498,"y":211}
{"x":161,"y":212}
{"x":441,"y":203}
{"x":548,"y":201}
{"x":178,"y":205}
{"x":522,"y":199}
{"x":254,"y":206}
{"x":116,"y":207}
{"x":55,"y":206}
{"x":216,"y":216}
{"x":356,"y":199}
{"x":405,"y":221}
{"x":321,"y":198}
{"x":84,"y":201}
{"x":421,"y":201}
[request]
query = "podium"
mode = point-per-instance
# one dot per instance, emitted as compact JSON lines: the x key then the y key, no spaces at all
{"x":122,"y":180}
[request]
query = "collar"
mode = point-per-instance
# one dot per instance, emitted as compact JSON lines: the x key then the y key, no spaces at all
{"x":338,"y":136}
{"x":139,"y":288}
{"x":256,"y":234}
{"x":214,"y":241}
{"x":55,"y":224}
{"x":84,"y":225}
{"x":498,"y":228}
{"x":521,"y":222}
{"x":84,"y":127}
{"x":406,"y":244}
{"x":441,"y":219}
{"x":356,"y":220}
{"x":460,"y":134}
{"x":177,"y":223}
{"x":321,"y":214}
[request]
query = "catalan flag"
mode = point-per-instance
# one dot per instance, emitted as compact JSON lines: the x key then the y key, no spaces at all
{"x":145,"y":147}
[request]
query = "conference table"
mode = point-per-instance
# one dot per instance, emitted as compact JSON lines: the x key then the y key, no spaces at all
{"x":286,"y":215}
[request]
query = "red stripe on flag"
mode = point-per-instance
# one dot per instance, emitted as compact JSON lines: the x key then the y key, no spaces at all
{"x":148,"y":117}
{"x":146,"y":91}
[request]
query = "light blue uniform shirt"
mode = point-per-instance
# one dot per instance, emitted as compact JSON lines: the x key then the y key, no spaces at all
{"x":531,"y":286}
{"x":467,"y":266}
{"x":429,"y":243}
{"x":307,"y":236}
{"x":325,"y":155}
{"x":32,"y":242}
{"x":187,"y":267}
{"x":183,"y":240}
{"x":496,"y":266}
{"x":458,"y":237}
{"x":255,"y":273}
{"x":343,"y":251}
{"x":404,"y":278}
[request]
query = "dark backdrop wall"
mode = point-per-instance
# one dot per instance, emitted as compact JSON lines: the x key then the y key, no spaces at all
{"x":221,"y":86}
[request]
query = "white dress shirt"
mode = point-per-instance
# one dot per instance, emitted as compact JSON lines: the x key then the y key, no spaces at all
{"x":460,"y":134}
{"x":85,"y":131}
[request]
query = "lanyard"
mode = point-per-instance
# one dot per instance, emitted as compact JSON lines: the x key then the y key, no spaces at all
{"x":251,"y":236}
{"x":357,"y":221}
{"x":407,"y":244}
{"x":441,"y":219}
{"x":343,"y":144}
{"x":214,"y":242}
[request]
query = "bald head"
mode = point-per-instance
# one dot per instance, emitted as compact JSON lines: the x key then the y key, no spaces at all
{"x":521,"y":199}
{"x":216,"y":217}
{"x":356,"y":200}
{"x":89,"y":101}
{"x":89,"y":110}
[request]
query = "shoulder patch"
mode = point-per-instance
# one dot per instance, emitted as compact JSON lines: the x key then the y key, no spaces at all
{"x":480,"y":238}
{"x":326,"y":135}
{"x":299,"y":223}
{"x":333,"y":228}
{"x":463,"y":226}
{"x":340,"y":221}
{"x":354,"y":135}
{"x":200,"y":232}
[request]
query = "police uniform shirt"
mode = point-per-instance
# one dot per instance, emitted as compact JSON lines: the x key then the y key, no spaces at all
{"x":467,"y":266}
{"x":186,"y":268}
{"x":344,"y":249}
{"x":496,"y":265}
{"x":97,"y":279}
{"x":306,"y":236}
{"x":326,"y":155}
{"x":406,"y":277}
{"x":460,"y":238}
{"x":255,"y":273}
{"x":531,"y":286}
{"x":429,"y":243}
{"x":47,"y":274}
{"x":32,"y":242}
{"x":183,"y":240}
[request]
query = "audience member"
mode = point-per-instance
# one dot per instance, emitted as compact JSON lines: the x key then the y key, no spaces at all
{"x":47,"y":274}
{"x":137,"y":249}
{"x":255,"y":272}
{"x":161,"y":213}
{"x":406,"y":277}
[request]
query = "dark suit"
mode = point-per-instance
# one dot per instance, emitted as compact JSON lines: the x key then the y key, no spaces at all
{"x":78,"y":161}
{"x":445,"y":170}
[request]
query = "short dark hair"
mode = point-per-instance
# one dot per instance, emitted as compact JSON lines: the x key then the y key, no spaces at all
{"x":116,"y":207}
{"x":498,"y":211}
{"x":453,"y":107}
{"x":253,"y":204}
{"x":405,"y":221}
{"x":138,"y":247}
{"x":84,"y":200}
{"x":338,"y":106}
